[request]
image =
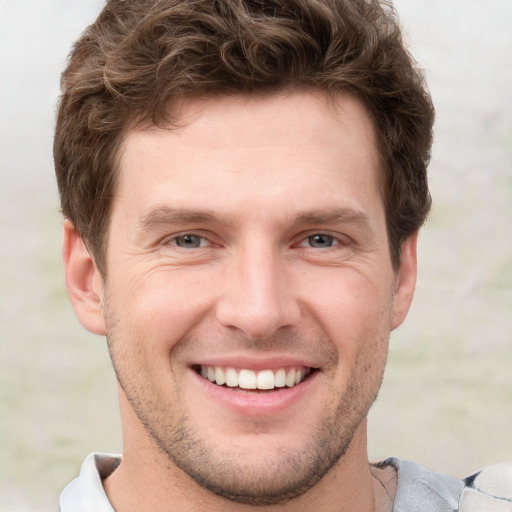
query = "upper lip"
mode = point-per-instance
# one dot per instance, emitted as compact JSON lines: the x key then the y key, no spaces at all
{"x":255,"y":363}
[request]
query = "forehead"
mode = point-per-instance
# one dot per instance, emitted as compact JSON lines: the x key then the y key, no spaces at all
{"x":253,"y":148}
{"x":284,"y":114}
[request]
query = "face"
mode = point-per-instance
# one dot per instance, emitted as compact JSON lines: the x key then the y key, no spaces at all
{"x":249,"y":292}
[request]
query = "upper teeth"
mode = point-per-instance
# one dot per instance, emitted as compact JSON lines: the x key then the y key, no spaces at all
{"x":250,"y":379}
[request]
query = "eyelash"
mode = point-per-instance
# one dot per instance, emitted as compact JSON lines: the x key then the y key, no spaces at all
{"x":332,"y":240}
{"x":202,"y":238}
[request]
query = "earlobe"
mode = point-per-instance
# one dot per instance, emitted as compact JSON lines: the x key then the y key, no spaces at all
{"x":405,"y":281}
{"x":83,"y":281}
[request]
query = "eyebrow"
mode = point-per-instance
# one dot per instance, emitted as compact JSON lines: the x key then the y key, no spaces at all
{"x":164,"y":215}
{"x":333,"y":216}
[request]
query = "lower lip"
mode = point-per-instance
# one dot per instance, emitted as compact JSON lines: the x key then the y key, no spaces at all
{"x":257,"y":403}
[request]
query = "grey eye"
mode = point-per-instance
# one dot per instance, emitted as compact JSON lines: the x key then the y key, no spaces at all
{"x":320,"y":241}
{"x":188,"y":241}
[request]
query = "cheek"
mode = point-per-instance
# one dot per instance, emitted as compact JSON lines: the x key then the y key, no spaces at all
{"x":354,"y":312}
{"x":349,"y":297}
{"x":161,"y":306}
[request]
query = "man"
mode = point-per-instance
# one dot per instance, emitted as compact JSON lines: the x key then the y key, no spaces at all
{"x":243,"y":184}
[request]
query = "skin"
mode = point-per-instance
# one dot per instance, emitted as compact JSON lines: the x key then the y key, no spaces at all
{"x":254,"y":179}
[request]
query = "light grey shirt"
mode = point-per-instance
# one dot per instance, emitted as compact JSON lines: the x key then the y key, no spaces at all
{"x":418,"y":489}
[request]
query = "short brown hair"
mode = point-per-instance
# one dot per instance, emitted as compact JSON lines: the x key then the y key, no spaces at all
{"x":140,"y":55}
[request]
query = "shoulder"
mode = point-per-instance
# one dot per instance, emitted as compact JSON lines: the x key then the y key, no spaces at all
{"x":488,"y":490}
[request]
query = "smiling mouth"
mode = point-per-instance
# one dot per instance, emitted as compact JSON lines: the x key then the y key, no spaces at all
{"x":265,"y":380}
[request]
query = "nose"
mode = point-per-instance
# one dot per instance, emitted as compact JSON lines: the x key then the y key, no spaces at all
{"x":257,"y":299}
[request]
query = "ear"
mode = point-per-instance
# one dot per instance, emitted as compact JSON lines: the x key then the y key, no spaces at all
{"x":83,"y":281}
{"x":405,"y":281}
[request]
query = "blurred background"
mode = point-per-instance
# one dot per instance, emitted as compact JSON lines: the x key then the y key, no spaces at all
{"x":447,"y":398}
